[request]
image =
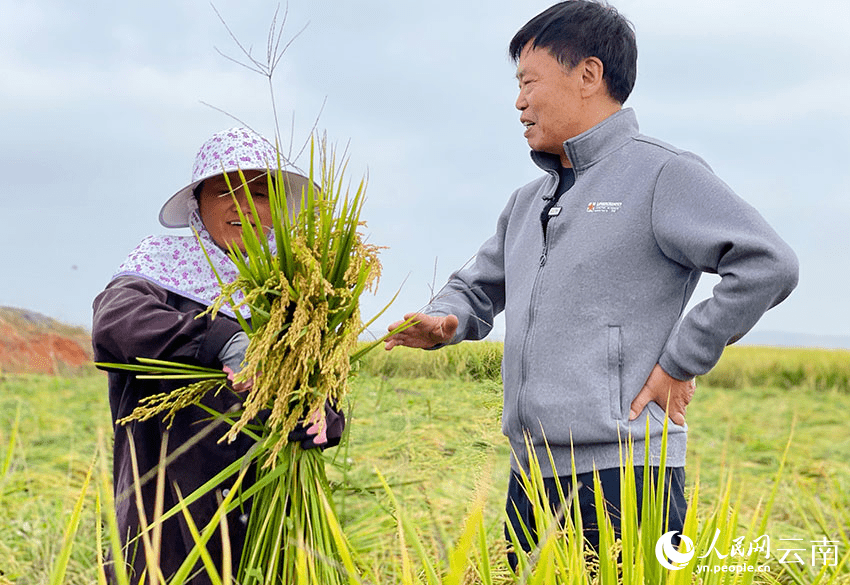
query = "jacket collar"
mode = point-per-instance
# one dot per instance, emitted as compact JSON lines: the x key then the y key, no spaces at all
{"x":595,"y":144}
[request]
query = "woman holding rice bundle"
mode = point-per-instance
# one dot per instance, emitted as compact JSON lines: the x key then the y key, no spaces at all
{"x":151,"y":309}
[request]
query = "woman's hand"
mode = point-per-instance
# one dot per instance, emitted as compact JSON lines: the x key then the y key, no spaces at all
{"x":321,"y":429}
{"x":242,"y":385}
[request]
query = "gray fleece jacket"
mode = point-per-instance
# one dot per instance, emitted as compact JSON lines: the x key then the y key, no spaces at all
{"x":592,"y":307}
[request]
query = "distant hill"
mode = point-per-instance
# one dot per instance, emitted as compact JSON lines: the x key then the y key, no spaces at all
{"x":34,"y":343}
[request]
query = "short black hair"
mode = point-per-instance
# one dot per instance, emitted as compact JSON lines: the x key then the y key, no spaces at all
{"x":577,"y":29}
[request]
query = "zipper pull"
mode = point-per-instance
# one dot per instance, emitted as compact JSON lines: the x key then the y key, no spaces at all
{"x":543,"y":258}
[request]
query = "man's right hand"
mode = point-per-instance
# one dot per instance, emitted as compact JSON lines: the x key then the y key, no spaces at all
{"x":427,"y":331}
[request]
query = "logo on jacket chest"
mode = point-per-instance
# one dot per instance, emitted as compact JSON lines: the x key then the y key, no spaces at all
{"x":604,"y":206}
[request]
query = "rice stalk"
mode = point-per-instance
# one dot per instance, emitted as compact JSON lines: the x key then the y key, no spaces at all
{"x":61,"y":564}
{"x":10,"y":449}
{"x":303,"y":287}
{"x":557,"y":559}
{"x":303,"y":293}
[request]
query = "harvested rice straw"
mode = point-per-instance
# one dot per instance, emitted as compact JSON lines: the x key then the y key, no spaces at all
{"x":303,"y":285}
{"x":304,"y":300}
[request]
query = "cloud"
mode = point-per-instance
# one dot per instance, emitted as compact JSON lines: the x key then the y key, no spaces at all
{"x":133,"y":84}
{"x":819,"y":28}
{"x":101,"y":117}
{"x":757,"y":106}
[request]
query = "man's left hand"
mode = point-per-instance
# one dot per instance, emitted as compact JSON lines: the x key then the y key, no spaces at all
{"x":667,"y":392}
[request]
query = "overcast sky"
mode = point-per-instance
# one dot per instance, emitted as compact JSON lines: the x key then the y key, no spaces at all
{"x":101,"y":117}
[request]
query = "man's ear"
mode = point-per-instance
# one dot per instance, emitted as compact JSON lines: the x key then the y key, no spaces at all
{"x":591,"y":77}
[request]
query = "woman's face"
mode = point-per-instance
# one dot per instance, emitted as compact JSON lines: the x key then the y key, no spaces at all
{"x":218,"y":208}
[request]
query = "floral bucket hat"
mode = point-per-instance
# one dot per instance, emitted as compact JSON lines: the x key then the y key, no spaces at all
{"x":227,"y":151}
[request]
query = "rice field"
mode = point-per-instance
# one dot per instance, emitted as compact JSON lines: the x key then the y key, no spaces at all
{"x":427,"y":423}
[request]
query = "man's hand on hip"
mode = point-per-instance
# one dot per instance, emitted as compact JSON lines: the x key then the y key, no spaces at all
{"x":426,"y":332}
{"x":660,"y":388}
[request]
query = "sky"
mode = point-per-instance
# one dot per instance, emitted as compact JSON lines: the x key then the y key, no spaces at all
{"x":103,"y":106}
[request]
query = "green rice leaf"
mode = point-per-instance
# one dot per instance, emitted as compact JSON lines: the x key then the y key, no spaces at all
{"x":57,"y":577}
{"x":197,"y":376}
{"x":10,"y":447}
{"x":188,"y":564}
{"x":458,"y":558}
{"x":200,"y":543}
{"x":246,"y":327}
{"x":105,"y":494}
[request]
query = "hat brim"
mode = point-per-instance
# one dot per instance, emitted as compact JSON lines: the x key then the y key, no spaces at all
{"x":175,"y":212}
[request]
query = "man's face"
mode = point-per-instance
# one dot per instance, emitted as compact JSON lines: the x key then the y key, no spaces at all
{"x":550,"y":101}
{"x":218,"y":209}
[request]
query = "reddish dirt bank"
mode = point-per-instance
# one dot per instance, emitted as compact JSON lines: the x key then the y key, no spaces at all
{"x":33,"y":343}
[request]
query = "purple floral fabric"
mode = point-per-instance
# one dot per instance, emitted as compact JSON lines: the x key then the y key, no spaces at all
{"x":237,"y":148}
{"x":225,"y":152}
{"x":178,"y":264}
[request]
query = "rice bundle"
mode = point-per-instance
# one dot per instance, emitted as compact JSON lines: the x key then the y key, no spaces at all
{"x":303,"y":292}
{"x":304,"y":300}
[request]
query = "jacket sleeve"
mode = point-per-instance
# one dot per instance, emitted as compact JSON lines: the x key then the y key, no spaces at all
{"x":132,"y":318}
{"x":475,"y":294}
{"x":701,"y":224}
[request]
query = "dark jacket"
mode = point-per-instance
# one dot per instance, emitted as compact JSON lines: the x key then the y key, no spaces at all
{"x":136,"y":318}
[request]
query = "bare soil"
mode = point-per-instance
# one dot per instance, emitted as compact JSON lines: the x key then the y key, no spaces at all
{"x":33,"y":343}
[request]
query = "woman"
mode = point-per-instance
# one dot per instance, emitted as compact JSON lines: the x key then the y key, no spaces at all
{"x":150,"y":309}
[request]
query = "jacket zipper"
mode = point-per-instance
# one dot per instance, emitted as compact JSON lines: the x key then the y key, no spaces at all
{"x":531,"y":310}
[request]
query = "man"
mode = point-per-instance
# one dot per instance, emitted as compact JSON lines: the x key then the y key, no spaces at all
{"x":593,"y":264}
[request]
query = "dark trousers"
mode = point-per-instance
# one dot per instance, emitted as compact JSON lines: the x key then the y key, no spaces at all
{"x":519,"y":507}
